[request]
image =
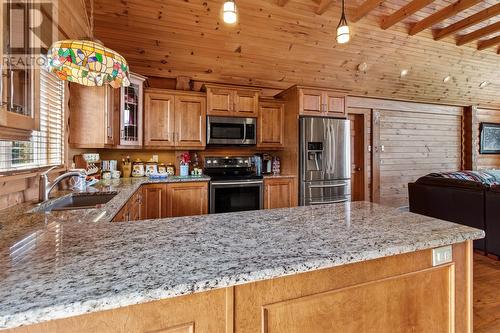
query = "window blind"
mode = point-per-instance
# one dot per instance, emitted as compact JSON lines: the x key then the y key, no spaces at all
{"x":46,"y":146}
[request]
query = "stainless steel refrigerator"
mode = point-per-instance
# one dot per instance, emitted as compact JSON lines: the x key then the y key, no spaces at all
{"x":325,"y":160}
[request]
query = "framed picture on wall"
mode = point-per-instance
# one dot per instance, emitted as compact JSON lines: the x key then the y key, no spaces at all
{"x":490,"y":138}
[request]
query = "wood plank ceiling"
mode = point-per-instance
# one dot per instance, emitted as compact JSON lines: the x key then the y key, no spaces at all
{"x":448,"y":47}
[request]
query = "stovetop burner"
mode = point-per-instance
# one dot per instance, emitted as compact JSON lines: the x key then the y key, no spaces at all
{"x":230,"y":168}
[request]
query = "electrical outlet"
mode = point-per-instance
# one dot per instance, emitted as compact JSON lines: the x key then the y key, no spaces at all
{"x":442,"y":255}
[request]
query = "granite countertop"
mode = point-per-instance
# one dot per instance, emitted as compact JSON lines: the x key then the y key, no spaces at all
{"x":67,"y":268}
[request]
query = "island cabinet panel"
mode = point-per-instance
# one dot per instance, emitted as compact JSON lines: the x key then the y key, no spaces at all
{"x":197,"y":313}
{"x":232,"y":101}
{"x":271,"y":125}
{"x":159,"y":126}
{"x":154,"y":198}
{"x":401,"y":293}
{"x":280,"y":192}
{"x":397,"y":304}
{"x":187,"y":199}
{"x":190,"y":121}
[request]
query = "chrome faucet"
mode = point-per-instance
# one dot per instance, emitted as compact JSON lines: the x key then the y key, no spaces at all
{"x":45,"y":186}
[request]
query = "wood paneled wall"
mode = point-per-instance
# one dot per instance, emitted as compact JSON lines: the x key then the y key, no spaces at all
{"x":14,"y":189}
{"x":486,"y":161}
{"x":410,"y":140}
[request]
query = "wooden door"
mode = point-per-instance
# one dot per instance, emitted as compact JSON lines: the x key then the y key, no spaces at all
{"x":334,"y":104}
{"x":159,"y":126}
{"x":246,"y":103}
{"x":357,"y":157}
{"x":279,"y":193}
{"x":190,"y":121}
{"x":311,"y":101}
{"x":153,"y":201}
{"x":220,"y":101}
{"x":186,"y":199}
{"x":271,"y":125}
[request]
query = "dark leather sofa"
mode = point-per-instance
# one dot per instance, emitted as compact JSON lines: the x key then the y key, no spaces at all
{"x":458,"y":201}
{"x":492,"y":209}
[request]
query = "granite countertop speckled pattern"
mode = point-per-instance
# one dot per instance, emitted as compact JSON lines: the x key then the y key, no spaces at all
{"x":66,"y":268}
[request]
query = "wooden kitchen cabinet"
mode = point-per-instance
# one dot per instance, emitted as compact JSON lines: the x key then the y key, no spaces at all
{"x":271,"y":125}
{"x":232,"y":101}
{"x":187,"y":199}
{"x":132,"y":210}
{"x":174,"y":119}
{"x":92,"y":116}
{"x":159,"y":126}
{"x":130,"y":104}
{"x":154,"y":201}
{"x":280,"y":192}
{"x":317,"y":101}
{"x":190,"y":121}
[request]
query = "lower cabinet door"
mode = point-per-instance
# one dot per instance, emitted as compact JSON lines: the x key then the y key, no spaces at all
{"x":280,"y":192}
{"x":153,"y":201}
{"x":185,"y":199}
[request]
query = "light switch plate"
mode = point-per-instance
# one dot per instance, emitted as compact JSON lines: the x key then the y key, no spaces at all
{"x":442,"y":255}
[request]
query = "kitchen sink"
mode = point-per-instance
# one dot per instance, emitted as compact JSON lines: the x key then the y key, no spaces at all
{"x":79,"y":201}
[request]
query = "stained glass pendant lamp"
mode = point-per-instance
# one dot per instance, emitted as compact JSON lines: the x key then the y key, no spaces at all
{"x":88,"y":62}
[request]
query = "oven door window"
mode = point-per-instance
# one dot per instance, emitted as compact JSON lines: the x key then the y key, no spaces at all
{"x":227,"y":131}
{"x":236,"y":199}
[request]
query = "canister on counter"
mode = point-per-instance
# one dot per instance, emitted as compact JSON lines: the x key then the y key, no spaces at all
{"x":170,"y":169}
{"x":138,"y":168}
{"x":151,"y":168}
{"x":162,"y":168}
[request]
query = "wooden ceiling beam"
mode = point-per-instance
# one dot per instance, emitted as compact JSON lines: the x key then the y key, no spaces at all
{"x":468,"y":22}
{"x":442,"y":14}
{"x":484,"y":44}
{"x":402,"y":13}
{"x":281,"y":3}
{"x":475,"y":35}
{"x":364,"y":9}
{"x":323,"y":6}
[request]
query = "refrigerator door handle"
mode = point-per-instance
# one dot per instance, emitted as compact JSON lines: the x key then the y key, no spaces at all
{"x":327,"y":202}
{"x":328,"y":185}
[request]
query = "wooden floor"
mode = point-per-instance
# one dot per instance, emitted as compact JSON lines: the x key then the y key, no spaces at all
{"x":486,"y":295}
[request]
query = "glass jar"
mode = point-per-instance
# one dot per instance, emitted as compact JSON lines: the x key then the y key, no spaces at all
{"x":138,"y":168}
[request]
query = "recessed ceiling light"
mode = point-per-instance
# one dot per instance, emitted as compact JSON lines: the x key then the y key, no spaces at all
{"x":404,"y":72}
{"x":362,"y":67}
{"x":484,"y":84}
{"x":447,"y":79}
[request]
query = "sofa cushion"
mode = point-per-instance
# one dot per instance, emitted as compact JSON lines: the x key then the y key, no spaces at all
{"x":465,"y":178}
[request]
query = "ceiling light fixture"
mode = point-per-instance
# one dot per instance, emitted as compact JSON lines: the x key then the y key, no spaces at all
{"x":229,"y":15}
{"x":484,"y":84}
{"x":343,"y":31}
{"x":447,"y":79}
{"x":87,"y":62}
{"x":404,"y":72}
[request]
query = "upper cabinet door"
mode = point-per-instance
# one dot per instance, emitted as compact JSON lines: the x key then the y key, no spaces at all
{"x":20,"y":85}
{"x":335,"y":103}
{"x":271,"y":127}
{"x":159,"y":126}
{"x":311,"y":102}
{"x":190,"y":121}
{"x":246,"y":103}
{"x":131,"y":106}
{"x":220,"y":101}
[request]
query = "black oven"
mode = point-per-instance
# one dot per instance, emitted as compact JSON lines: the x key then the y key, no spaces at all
{"x":231,"y":131}
{"x":235,"y":195}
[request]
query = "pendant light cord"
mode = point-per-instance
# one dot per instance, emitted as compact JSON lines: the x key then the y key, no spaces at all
{"x":343,"y":10}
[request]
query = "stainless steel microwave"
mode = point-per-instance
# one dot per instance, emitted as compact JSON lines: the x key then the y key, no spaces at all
{"x":231,"y":131}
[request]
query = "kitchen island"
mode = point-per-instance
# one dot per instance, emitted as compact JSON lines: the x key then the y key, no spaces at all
{"x":322,"y":268}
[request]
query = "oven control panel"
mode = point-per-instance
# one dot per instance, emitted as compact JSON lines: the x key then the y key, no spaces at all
{"x":228,"y":162}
